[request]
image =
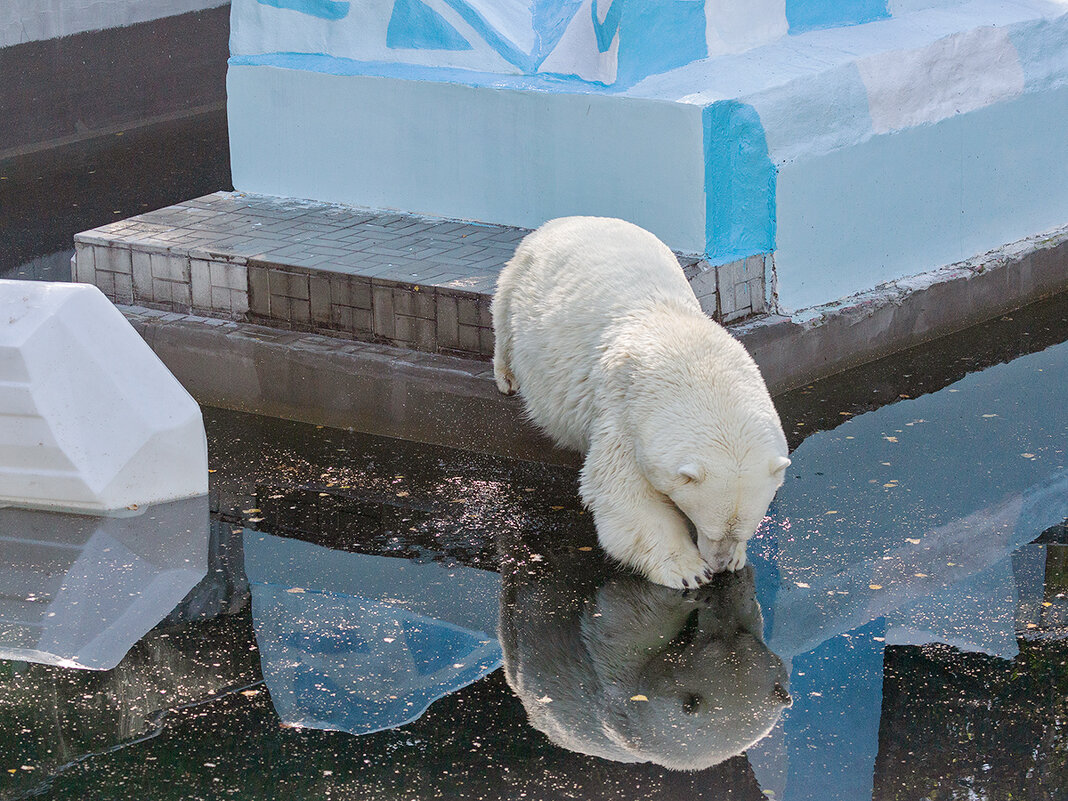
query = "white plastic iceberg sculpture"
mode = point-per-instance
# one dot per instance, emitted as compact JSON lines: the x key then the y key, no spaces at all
{"x":90,"y":418}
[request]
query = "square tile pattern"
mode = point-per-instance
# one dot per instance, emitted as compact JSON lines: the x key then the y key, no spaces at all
{"x":338,"y":270}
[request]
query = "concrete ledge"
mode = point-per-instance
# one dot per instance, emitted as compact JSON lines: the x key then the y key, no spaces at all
{"x":793,"y":351}
{"x":446,"y":400}
{"x":364,"y":386}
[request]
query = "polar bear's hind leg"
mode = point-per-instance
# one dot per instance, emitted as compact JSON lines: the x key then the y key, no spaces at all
{"x":502,"y":337}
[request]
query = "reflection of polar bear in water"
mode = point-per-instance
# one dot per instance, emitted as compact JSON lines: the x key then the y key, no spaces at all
{"x":578,"y":651}
{"x":598,"y":330}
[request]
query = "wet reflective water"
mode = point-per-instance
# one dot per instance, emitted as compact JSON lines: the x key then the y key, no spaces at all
{"x":47,"y":197}
{"x":369,"y":618}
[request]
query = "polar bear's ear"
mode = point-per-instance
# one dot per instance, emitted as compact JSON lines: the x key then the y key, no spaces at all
{"x":778,"y":465}
{"x":691,"y":472}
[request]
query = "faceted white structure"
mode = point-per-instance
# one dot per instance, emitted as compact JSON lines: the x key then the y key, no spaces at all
{"x":90,"y":418}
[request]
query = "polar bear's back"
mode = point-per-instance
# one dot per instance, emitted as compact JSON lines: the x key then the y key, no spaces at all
{"x":567,"y":285}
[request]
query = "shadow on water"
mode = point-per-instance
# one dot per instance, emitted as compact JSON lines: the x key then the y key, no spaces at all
{"x":908,"y":590}
{"x":48,"y":197}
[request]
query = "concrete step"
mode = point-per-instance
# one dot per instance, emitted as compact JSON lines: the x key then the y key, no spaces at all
{"x":338,"y":270}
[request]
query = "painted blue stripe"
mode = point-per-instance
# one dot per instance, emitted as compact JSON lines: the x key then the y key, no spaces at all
{"x":606,"y":31}
{"x":810,"y":15}
{"x":739,"y":184}
{"x":324,"y":9}
{"x":508,"y":51}
{"x":335,"y":65}
{"x":550,"y":22}
{"x":659,"y":36}
{"x":415,"y":25}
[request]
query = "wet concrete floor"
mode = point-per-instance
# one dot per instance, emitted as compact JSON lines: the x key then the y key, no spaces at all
{"x":382,"y":619}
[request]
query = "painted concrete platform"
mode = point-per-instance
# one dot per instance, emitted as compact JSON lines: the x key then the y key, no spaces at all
{"x":374,"y":276}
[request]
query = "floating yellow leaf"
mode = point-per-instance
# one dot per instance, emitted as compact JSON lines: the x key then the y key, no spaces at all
{"x":910,"y":539}
{"x":920,"y":575}
{"x":295,"y":589}
{"x":403,"y":494}
{"x":1027,"y":455}
{"x":875,"y":586}
{"x":801,"y":584}
{"x":890,"y":439}
{"x":585,"y":548}
{"x":1032,"y":626}
{"x":831,"y":512}
{"x":251,"y":511}
{"x":638,"y":697}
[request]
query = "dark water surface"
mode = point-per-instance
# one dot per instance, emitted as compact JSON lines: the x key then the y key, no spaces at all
{"x":380,"y":619}
{"x":47,"y":197}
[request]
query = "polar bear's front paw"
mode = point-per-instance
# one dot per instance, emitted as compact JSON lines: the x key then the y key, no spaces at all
{"x":681,"y":572}
{"x":506,"y":382}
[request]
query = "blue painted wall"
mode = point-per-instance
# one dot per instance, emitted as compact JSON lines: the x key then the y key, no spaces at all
{"x":739,"y":184}
{"x":656,"y":36}
{"x":809,"y":15}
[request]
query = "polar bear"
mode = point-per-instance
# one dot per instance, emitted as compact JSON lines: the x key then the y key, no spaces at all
{"x":598,"y":331}
{"x":610,"y":665}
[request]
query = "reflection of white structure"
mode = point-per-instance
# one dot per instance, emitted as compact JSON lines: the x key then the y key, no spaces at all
{"x":906,"y":525}
{"x":79,"y":591}
{"x":859,"y":142}
{"x":362,"y":643}
{"x":90,"y":418}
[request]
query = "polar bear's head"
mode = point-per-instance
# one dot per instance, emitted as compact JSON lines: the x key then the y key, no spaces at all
{"x":720,"y":459}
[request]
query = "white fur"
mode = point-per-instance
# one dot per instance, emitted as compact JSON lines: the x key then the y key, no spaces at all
{"x":598,"y":330}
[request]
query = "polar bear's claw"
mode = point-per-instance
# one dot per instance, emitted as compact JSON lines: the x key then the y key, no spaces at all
{"x":681,"y":574}
{"x":506,"y":382}
{"x":736,"y":561}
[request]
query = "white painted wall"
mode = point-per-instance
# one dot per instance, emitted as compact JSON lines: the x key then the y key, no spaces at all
{"x":919,"y":199}
{"x":506,"y":156}
{"x":33,"y":20}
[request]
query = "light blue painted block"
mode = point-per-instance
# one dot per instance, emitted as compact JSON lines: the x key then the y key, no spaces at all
{"x":915,"y":200}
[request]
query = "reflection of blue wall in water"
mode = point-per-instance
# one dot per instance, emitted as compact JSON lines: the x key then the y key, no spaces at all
{"x":362,"y":643}
{"x":833,"y":726}
{"x":974,"y":474}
